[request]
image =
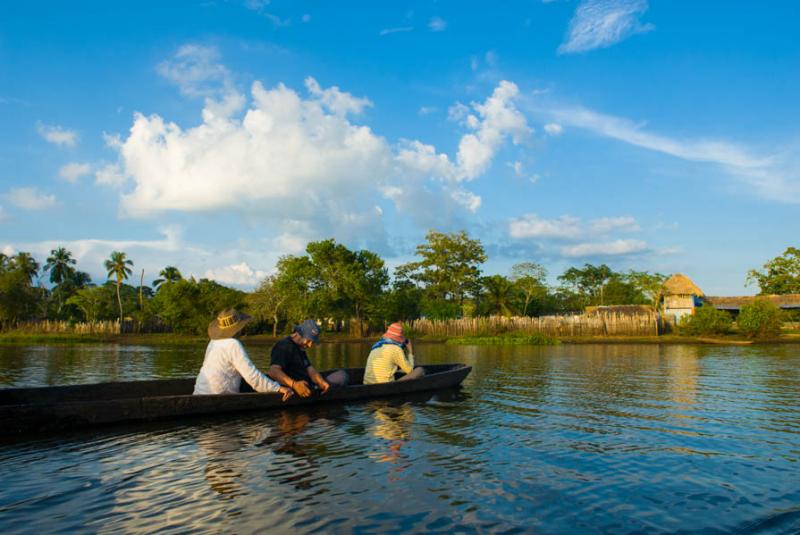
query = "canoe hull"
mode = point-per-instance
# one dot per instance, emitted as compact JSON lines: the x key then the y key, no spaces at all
{"x":48,"y":409}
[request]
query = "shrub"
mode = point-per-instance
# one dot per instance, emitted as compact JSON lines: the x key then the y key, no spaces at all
{"x":760,"y":319}
{"x":706,"y":320}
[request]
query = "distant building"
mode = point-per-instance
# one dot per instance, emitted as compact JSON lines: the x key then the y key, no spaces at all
{"x":681,"y":296}
{"x":735,"y":304}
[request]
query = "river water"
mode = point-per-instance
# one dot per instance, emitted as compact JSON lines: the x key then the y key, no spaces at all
{"x":566,"y":439}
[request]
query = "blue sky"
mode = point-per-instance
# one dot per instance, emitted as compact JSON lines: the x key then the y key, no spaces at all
{"x":217,"y":136}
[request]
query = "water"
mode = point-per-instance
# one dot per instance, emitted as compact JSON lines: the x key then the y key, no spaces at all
{"x":589,"y":439}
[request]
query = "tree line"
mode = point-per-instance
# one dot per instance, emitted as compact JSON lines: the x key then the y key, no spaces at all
{"x":352,"y":289}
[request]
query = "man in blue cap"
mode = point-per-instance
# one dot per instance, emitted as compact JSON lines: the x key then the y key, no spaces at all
{"x":290,"y":365}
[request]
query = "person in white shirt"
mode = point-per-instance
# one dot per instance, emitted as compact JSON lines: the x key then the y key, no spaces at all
{"x":227,"y":363}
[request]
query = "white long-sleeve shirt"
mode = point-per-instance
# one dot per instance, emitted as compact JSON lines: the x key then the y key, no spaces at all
{"x":225,"y":365}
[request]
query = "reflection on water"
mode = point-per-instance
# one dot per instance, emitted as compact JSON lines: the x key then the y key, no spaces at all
{"x":555,"y":439}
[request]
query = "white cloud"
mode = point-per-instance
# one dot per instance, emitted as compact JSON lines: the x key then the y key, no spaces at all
{"x":532,"y":226}
{"x":466,"y":199}
{"x":73,"y":171}
{"x":612,"y":248}
{"x":554,"y":129}
{"x":568,"y":227}
{"x":8,"y":250}
{"x":437,"y":24}
{"x":516,"y":167}
{"x":602,"y":23}
{"x":236,"y":275}
{"x":30,"y":199}
{"x":57,"y":135}
{"x":196,"y":70}
{"x":775,"y":177}
{"x":389,"y":31}
{"x":493,"y":121}
{"x":605,"y":225}
{"x":337,"y":101}
{"x":427,"y":110}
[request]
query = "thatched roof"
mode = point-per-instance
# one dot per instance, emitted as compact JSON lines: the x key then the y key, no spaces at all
{"x":680,"y":284}
{"x":736,"y":303}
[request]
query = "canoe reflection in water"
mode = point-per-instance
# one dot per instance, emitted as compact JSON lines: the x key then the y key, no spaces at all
{"x":292,"y":461}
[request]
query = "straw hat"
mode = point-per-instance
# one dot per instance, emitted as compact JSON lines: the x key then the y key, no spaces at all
{"x":227,"y":324}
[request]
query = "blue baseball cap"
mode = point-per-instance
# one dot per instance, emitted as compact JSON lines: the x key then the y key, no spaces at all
{"x":308,"y":330}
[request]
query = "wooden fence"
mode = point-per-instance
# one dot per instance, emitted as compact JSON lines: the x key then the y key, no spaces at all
{"x":66,"y":327}
{"x":596,"y":324}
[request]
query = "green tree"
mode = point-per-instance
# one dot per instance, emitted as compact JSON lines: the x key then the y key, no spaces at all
{"x":187,"y":305}
{"x":267,"y":302}
{"x":706,"y":320}
{"x":117,"y":267}
{"x":781,"y":275}
{"x":650,"y":285}
{"x":588,"y":282}
{"x":295,"y":280}
{"x":760,"y":319}
{"x":168,"y":274}
{"x":449,"y":270}
{"x":529,"y":278}
{"x":25,"y":263}
{"x":60,"y":264}
{"x":92,"y":302}
{"x":499,"y":295}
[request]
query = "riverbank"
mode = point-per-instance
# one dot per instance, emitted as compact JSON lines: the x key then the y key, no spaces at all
{"x":160,"y":339}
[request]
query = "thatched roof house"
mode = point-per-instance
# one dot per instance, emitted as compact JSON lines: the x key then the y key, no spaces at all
{"x":680,"y":284}
{"x":681,"y":296}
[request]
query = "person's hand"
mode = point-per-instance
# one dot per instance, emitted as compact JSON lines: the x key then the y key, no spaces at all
{"x":286,"y":392}
{"x":410,"y":347}
{"x":324,"y":386}
{"x":302,"y":388}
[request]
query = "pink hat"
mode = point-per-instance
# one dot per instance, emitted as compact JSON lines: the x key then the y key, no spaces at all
{"x":395,"y":332}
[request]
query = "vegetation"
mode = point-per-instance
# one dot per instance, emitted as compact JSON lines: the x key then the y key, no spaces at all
{"x":531,"y":340}
{"x":760,"y":319}
{"x":781,"y":275}
{"x":350,"y":289}
{"x":706,"y":320}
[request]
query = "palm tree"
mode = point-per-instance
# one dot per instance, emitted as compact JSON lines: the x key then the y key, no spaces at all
{"x":25,"y":263}
{"x":500,"y":291}
{"x":117,"y":265}
{"x":168,"y":274}
{"x":59,"y":264}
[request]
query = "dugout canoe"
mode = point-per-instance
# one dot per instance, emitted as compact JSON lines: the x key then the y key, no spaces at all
{"x":55,"y":408}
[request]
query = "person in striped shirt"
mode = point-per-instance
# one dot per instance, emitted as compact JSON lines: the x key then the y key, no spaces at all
{"x":388,"y":356}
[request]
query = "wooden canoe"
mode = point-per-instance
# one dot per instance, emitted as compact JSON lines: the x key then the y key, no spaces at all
{"x":54,"y":408}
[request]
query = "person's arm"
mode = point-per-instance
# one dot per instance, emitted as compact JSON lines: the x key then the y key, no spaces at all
{"x":301,"y":387}
{"x":253,"y":376}
{"x":318,"y":379}
{"x":399,"y":359}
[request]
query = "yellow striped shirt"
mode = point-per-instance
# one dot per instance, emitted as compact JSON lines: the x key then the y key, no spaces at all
{"x":384,"y":362}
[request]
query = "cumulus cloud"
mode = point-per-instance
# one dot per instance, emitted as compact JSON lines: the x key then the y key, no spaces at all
{"x":196,"y":70}
{"x":554,"y":129}
{"x":492,"y":122}
{"x":57,"y":135}
{"x":29,"y":198}
{"x":236,"y":275}
{"x":612,"y":248}
{"x":568,"y":227}
{"x":532,"y":226}
{"x":336,"y":101}
{"x":605,"y":225}
{"x":437,"y":24}
{"x":71,"y":172}
{"x":602,"y":23}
